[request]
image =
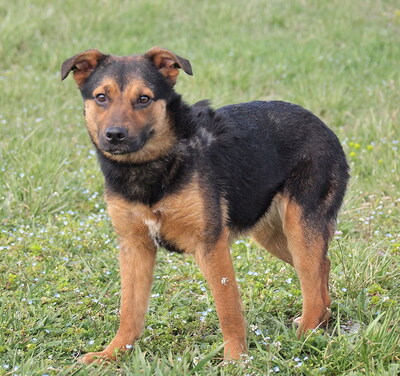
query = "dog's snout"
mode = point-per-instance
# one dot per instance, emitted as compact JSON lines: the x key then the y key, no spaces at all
{"x":116,"y":135}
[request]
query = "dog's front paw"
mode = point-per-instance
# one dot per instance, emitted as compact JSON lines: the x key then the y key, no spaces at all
{"x":96,"y":357}
{"x":297,"y":321}
{"x":234,"y":350}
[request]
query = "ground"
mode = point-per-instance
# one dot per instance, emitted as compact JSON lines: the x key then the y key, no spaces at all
{"x":59,"y":278}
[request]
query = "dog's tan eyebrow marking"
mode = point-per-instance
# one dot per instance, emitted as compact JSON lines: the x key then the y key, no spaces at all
{"x":108,"y":86}
{"x":138,"y":87}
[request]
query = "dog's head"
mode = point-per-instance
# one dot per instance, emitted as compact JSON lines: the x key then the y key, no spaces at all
{"x":126,"y":101}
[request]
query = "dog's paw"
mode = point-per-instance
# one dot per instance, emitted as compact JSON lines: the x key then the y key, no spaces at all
{"x":96,"y":357}
{"x":297,"y":321}
{"x":314,"y":322}
{"x":234,"y":350}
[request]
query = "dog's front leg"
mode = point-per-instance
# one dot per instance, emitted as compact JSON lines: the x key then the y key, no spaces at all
{"x":216,"y":265}
{"x":137,"y":260}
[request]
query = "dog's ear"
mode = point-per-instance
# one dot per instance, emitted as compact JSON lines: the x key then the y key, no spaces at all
{"x":168,"y":63}
{"x":82,"y":64}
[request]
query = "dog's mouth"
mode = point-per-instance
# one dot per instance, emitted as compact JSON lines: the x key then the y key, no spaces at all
{"x":118,"y":152}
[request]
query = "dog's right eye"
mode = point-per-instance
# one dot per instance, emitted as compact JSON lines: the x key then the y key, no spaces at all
{"x":101,"y":98}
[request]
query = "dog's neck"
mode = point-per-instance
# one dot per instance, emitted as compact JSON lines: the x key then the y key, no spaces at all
{"x":143,"y":182}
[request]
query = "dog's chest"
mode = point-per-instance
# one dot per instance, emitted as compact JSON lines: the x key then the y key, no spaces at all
{"x":174,"y":230}
{"x":178,"y":221}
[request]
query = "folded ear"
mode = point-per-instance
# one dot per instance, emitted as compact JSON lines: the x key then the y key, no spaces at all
{"x":168,"y":63}
{"x":82,"y":64}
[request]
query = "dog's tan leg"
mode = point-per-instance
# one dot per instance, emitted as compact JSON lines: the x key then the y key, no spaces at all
{"x":216,"y":265}
{"x":137,"y":260}
{"x":308,"y":250}
{"x":137,"y":265}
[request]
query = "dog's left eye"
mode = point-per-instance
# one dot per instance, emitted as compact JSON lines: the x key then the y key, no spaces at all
{"x":143,"y":99}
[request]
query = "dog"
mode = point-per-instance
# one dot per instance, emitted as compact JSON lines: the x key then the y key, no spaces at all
{"x":191,"y":179}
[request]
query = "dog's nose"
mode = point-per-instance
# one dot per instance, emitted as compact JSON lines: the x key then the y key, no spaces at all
{"x":116,"y":135}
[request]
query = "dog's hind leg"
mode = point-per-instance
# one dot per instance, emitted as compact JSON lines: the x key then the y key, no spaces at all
{"x":287,"y":235}
{"x":216,"y":265}
{"x":308,"y":247}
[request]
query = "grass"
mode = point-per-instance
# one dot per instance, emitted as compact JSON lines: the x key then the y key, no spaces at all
{"x":59,"y":278}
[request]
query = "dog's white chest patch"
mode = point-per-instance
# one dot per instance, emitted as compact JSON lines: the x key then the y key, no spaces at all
{"x":154,"y":227}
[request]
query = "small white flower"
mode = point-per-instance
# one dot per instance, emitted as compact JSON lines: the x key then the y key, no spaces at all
{"x":128,"y":346}
{"x":224,"y":280}
{"x":246,"y":358}
{"x":252,"y":273}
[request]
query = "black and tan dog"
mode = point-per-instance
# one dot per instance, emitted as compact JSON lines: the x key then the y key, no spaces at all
{"x":191,"y":179}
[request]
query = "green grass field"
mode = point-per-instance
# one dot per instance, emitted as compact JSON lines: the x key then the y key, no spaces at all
{"x":59,"y":279}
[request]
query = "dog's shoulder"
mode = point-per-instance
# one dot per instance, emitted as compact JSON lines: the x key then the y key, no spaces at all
{"x":208,"y":125}
{"x":205,"y":117}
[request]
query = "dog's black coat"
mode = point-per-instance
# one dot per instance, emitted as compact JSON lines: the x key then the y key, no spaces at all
{"x":243,"y":154}
{"x":246,"y":154}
